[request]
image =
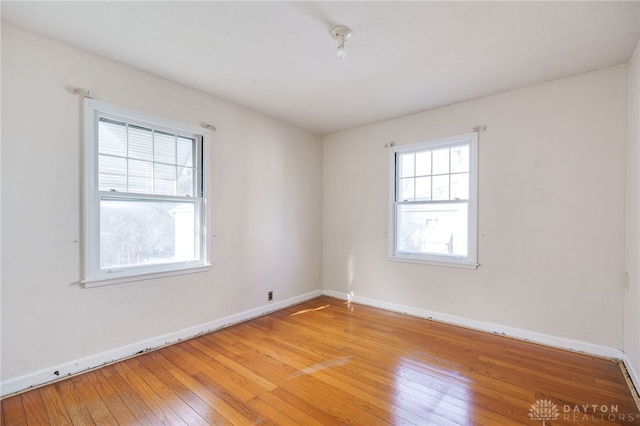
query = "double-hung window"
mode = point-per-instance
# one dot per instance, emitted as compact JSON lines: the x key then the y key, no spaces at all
{"x":433,"y":209}
{"x":145,"y":197}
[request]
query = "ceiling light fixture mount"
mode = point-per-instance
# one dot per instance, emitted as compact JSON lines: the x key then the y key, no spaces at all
{"x":341,"y":33}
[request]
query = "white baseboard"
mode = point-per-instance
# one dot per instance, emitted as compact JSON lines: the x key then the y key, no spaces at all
{"x":48,"y":375}
{"x":58,"y":372}
{"x":633,"y":374}
{"x":530,"y":336}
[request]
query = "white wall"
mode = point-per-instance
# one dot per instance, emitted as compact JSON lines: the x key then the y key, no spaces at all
{"x":632,"y":302}
{"x":551,"y":211}
{"x":267,"y":211}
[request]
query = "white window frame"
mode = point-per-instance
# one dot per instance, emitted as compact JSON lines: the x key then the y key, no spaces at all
{"x":93,"y":274}
{"x":471,"y":260}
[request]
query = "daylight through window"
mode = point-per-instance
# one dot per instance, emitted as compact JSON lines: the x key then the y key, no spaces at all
{"x":433,"y":208}
{"x":145,"y":199}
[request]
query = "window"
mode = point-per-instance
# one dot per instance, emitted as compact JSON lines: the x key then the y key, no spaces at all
{"x":145,"y":196}
{"x":433,"y":214}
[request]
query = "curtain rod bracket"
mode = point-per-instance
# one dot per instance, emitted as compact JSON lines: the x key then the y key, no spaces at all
{"x":82,"y":92}
{"x":209,"y":126}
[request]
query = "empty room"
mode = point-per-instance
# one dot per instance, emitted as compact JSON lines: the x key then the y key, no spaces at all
{"x":320,"y":213}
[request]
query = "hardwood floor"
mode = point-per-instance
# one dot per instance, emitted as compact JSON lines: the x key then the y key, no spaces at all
{"x":327,"y":362}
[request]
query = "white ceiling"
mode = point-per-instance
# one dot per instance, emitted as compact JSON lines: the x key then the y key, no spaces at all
{"x":403,"y":57}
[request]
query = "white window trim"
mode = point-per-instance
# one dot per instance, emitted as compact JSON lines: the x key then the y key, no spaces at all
{"x":471,"y":260}
{"x":92,"y":275}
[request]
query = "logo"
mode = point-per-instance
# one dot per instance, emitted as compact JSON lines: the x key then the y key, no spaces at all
{"x":544,"y":410}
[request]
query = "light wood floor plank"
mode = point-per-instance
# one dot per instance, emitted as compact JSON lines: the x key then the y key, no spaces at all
{"x":160,"y":367}
{"x":166,"y":399}
{"x":74,"y":404}
{"x":96,"y":407}
{"x":34,"y":409}
{"x":216,"y":402}
{"x":54,"y":406}
{"x":13,"y":412}
{"x":328,"y":362}
{"x":135,"y":402}
{"x":116,"y":406}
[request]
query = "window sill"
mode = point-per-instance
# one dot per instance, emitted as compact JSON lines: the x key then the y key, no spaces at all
{"x":445,"y":262}
{"x":102,"y":281}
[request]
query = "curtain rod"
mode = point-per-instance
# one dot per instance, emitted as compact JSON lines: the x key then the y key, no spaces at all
{"x":87,"y":94}
{"x":479,"y":128}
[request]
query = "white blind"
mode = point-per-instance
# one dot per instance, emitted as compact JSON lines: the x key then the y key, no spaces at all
{"x":143,"y":160}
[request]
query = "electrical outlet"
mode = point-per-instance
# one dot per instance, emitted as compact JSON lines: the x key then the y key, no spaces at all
{"x":318,"y":277}
{"x":270,"y":296}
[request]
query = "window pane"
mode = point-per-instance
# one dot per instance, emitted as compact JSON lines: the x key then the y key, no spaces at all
{"x":406,"y":189}
{"x":112,"y":174}
{"x":137,"y":232}
{"x":440,"y":161}
{"x":186,"y":180}
{"x":140,"y":143}
{"x":423,"y":163}
{"x":460,"y":159}
{"x":423,"y":188}
{"x":140,"y":173}
{"x":440,"y":187}
{"x":112,"y":137}
{"x":164,"y":149}
{"x":186,"y":151}
{"x":407,"y":162}
{"x":460,"y":186}
{"x":164,"y":179}
{"x":432,"y":229}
